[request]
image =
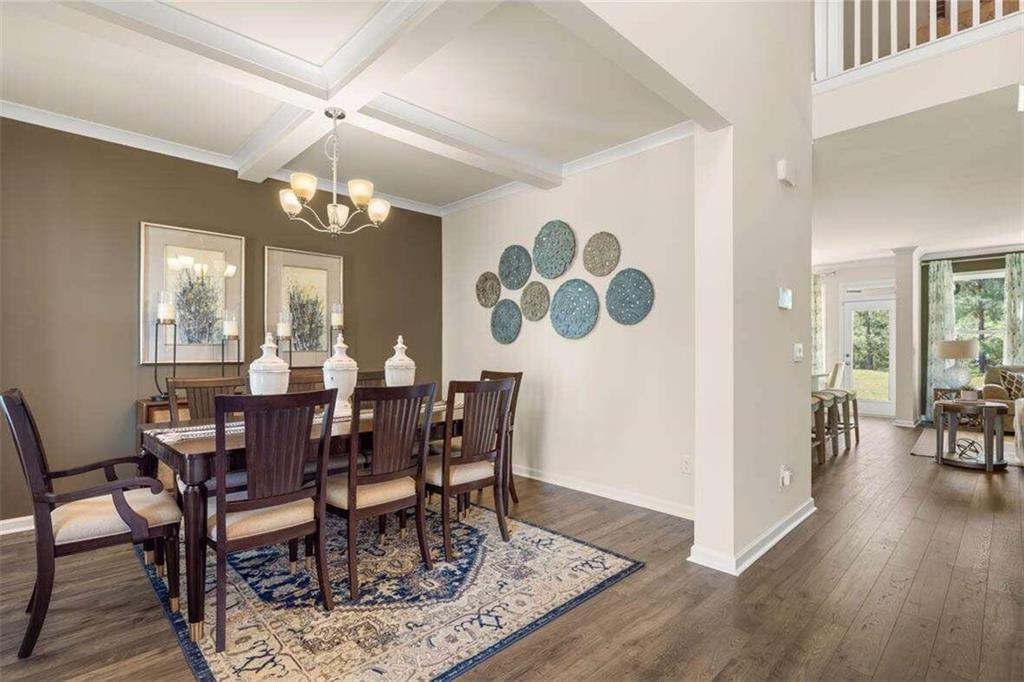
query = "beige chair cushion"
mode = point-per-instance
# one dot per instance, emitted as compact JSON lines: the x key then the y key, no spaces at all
{"x":258,"y":521}
{"x":436,"y":447}
{"x":96,"y":517}
{"x":460,"y":473}
{"x":371,"y":494}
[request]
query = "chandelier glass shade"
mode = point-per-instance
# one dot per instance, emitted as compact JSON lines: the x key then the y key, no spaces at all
{"x":340,"y":218}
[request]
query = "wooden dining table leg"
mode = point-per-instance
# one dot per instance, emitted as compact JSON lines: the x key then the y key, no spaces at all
{"x":194,"y":499}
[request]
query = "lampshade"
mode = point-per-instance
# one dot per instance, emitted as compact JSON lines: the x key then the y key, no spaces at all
{"x":337,"y":214}
{"x":304,"y":186}
{"x":378,"y":210}
{"x":290,"y":203}
{"x":960,"y":349}
{"x":360,"y":192}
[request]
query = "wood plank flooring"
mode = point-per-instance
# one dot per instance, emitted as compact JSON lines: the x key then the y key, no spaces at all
{"x":907,"y":570}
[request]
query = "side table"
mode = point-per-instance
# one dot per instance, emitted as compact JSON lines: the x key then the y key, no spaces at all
{"x":947,"y":415}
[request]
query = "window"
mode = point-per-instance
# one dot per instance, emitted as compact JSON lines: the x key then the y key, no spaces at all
{"x":980,"y":314}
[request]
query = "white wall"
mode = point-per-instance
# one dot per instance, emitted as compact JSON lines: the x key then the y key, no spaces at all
{"x":611,"y":413}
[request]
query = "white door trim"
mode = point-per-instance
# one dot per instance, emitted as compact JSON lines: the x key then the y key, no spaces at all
{"x":869,"y":407}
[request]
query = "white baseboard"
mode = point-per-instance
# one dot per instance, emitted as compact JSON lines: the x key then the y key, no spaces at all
{"x":16,"y":525}
{"x":658,"y":504}
{"x":906,"y":423}
{"x":735,"y":565}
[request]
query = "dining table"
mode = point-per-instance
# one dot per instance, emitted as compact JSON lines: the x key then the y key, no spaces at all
{"x":189,"y":450}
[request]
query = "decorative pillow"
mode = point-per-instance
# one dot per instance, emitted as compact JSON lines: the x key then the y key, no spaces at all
{"x":1013,"y":382}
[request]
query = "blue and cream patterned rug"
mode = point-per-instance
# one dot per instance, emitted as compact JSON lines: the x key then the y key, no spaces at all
{"x":409,"y":623}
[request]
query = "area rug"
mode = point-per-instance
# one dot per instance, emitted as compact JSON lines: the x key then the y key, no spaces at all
{"x":925,"y":445}
{"x":409,"y":623}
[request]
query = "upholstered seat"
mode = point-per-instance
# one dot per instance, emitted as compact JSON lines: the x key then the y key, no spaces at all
{"x":460,"y":473}
{"x":336,"y":463}
{"x":369,"y":494}
{"x":96,"y":517}
{"x":259,"y":521}
{"x":437,"y":445}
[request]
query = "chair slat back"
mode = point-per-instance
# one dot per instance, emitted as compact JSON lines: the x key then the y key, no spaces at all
{"x":307,"y":379}
{"x":279,"y":440}
{"x":401,"y":426}
{"x":370,"y":379}
{"x":201,"y":393}
{"x":491,"y":375}
{"x":835,"y":377}
{"x":485,"y":411}
{"x":27,"y":441}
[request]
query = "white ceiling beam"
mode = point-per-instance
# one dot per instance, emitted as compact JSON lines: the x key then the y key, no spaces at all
{"x":413,"y":125}
{"x":579,"y":19}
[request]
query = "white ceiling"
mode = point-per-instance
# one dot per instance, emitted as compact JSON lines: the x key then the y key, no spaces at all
{"x":446,"y":99}
{"x":946,"y":178}
{"x":308,"y":30}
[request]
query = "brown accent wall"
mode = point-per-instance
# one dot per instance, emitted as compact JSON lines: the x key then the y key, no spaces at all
{"x":69,"y":280}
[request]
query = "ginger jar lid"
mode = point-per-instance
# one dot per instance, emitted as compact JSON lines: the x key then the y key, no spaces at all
{"x":400,"y":360}
{"x":340,"y":360}
{"x":268,"y":362}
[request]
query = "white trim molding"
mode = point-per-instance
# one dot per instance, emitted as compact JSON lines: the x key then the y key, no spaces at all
{"x":658,"y":504}
{"x":735,"y":565}
{"x":906,"y":423}
{"x":16,"y":525}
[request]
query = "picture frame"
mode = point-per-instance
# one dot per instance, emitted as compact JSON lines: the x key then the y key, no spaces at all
{"x":312,"y":283}
{"x":203,"y":274}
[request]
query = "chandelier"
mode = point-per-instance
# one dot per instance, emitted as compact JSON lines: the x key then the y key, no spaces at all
{"x":339,"y":220}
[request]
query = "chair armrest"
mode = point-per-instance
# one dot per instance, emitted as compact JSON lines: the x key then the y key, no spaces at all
{"x":107,"y":465}
{"x":994,"y":392}
{"x":136,"y":522}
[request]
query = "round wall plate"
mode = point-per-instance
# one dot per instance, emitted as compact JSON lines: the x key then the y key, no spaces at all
{"x":506,"y":321}
{"x":488,"y":289}
{"x":535,"y":301}
{"x":574,"y":309}
{"x":553,"y":249}
{"x":514,"y":267}
{"x":630,"y":296}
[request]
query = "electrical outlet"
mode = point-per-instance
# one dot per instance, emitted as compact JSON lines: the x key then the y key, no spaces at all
{"x":785,"y":476}
{"x":687,"y":464}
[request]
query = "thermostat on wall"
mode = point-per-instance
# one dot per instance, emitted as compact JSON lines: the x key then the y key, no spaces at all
{"x":785,"y":298}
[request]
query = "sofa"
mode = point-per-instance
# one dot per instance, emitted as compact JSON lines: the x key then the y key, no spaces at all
{"x":995,"y":391}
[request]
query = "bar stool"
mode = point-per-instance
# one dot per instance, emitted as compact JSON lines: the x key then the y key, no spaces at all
{"x":830,"y":407}
{"x":848,"y":399}
{"x":818,"y":428}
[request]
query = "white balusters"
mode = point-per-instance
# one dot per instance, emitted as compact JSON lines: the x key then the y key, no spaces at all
{"x":953,"y":14}
{"x":999,"y":8}
{"x":976,"y":13}
{"x":933,"y":18}
{"x":856,"y":32}
{"x":913,"y":24}
{"x":893,"y":27}
{"x":874,"y":30}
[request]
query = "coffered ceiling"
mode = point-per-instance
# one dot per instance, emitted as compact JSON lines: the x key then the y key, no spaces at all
{"x":446,"y":99}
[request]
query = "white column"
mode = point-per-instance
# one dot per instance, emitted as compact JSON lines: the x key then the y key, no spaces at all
{"x":908,"y":332}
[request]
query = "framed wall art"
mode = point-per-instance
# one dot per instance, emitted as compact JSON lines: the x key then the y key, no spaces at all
{"x":301,"y":289}
{"x":197,"y":279}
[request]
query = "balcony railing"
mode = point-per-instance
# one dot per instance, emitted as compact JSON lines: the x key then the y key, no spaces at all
{"x":850,"y":34}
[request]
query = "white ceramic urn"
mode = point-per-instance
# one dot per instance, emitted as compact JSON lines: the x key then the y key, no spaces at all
{"x":399,"y":370}
{"x":268,"y":374}
{"x":340,"y":372}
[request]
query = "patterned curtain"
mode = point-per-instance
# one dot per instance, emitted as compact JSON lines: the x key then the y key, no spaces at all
{"x":1013,"y":349}
{"x":817,"y":325}
{"x":941,"y":323}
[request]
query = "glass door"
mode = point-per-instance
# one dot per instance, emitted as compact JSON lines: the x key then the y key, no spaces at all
{"x":869,"y":354}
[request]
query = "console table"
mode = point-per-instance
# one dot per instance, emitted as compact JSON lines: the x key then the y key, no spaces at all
{"x":947,"y":414}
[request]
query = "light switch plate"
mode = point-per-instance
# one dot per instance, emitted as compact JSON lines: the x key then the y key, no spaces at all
{"x":785,"y":298}
{"x":798,"y":352}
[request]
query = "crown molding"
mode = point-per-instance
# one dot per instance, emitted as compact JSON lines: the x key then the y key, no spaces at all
{"x":97,"y":131}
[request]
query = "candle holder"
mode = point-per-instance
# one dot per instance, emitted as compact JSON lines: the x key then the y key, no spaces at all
{"x":238,"y":354}
{"x":278,"y":351}
{"x":161,"y":393}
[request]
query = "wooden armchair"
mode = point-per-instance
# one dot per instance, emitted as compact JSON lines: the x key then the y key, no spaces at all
{"x":306,"y":379}
{"x":370,"y":379}
{"x":277,"y":506}
{"x":200,"y":394}
{"x":394,"y":481}
{"x":479,"y":462}
{"x":131,"y":510}
{"x":491,"y":375}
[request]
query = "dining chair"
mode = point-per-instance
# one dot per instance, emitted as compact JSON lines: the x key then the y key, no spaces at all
{"x":491,"y":375}
{"x":370,"y":379}
{"x":200,"y":394}
{"x":830,"y":409}
{"x":479,"y":461}
{"x":394,"y":480}
{"x":130,"y":510}
{"x":306,"y":379}
{"x":276,"y":505}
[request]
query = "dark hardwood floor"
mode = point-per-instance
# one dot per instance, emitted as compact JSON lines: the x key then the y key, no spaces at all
{"x":907,"y":570}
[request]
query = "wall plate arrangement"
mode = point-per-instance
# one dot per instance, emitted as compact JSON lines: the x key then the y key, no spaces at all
{"x":535,"y":301}
{"x":553,"y":249}
{"x":506,"y":321}
{"x":630,"y":296}
{"x":601,"y":254}
{"x":574,"y":309}
{"x":488,"y":289}
{"x":514,"y":267}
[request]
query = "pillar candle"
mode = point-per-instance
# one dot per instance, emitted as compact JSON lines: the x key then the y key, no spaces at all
{"x":230,"y":328}
{"x":284,"y":330}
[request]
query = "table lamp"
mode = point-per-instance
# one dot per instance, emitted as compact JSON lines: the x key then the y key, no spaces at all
{"x":959,"y":375}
